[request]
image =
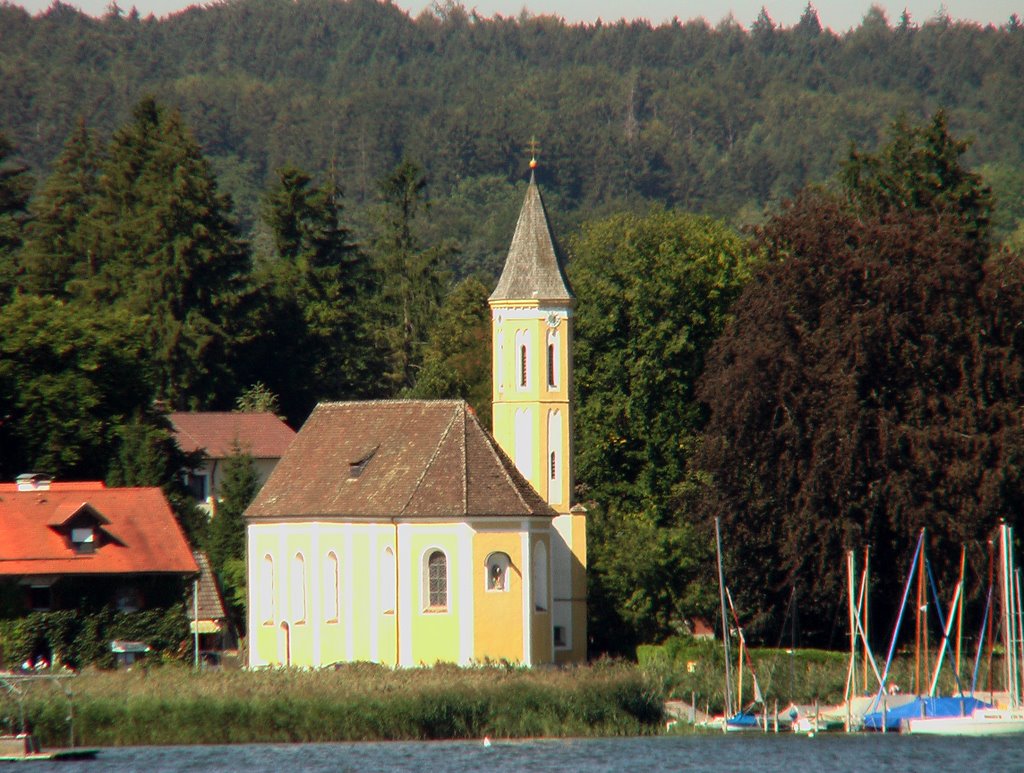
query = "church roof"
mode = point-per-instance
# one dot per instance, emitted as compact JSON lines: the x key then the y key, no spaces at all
{"x":396,"y":458}
{"x":533,"y":269}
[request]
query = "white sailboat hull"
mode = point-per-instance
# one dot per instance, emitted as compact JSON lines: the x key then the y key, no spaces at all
{"x":980,"y":722}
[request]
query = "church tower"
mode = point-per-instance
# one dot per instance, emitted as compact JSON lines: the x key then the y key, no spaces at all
{"x":531,"y":326}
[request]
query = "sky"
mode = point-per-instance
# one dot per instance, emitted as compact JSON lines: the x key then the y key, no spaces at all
{"x":839,"y":15}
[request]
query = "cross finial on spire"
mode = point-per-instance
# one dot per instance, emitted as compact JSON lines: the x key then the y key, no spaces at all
{"x":534,"y":150}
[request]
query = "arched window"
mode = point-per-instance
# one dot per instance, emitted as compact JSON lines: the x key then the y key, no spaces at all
{"x":555,"y":459}
{"x":298,"y":589}
{"x":552,"y":351}
{"x":332,"y":589}
{"x":540,"y":577}
{"x":523,"y":359}
{"x":268,"y":593}
{"x":387,"y":582}
{"x":284,"y":644}
{"x":435,"y":582}
{"x":497,"y":576}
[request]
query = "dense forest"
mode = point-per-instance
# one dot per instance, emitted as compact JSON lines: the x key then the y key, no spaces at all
{"x":796,"y":257}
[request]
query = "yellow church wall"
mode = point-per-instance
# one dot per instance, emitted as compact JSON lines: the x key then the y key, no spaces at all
{"x":429,"y":636}
{"x":322,"y":630}
{"x":540,"y":624}
{"x":498,"y":615}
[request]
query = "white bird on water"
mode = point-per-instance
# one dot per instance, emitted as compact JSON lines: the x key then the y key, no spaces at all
{"x":487,"y":742}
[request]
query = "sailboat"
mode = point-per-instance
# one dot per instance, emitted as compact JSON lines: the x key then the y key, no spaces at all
{"x":988,"y":720}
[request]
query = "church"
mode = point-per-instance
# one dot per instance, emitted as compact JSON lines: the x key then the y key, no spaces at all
{"x":403,"y":532}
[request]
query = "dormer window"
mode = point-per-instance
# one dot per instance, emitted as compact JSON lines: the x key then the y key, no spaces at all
{"x":83,"y":527}
{"x":83,"y":539}
{"x":355,"y":468}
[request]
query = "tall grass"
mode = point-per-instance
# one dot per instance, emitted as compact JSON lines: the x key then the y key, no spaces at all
{"x":361,"y":702}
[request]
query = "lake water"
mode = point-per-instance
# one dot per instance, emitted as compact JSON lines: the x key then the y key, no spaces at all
{"x":823,"y":753}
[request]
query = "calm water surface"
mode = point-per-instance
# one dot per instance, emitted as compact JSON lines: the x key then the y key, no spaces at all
{"x":821,"y":754}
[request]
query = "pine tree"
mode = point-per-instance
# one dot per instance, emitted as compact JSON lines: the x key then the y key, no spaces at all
{"x":15,"y":188}
{"x":57,"y":244}
{"x":167,"y":252}
{"x":411,"y":275}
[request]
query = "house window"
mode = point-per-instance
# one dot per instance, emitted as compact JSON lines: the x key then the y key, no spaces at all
{"x":84,"y":540}
{"x":540,"y":577}
{"x":497,"y":572}
{"x":387,"y":582}
{"x":198,"y":484}
{"x":40,"y":598}
{"x":332,"y":595}
{"x":298,"y":589}
{"x":436,"y":582}
{"x":268,"y":595}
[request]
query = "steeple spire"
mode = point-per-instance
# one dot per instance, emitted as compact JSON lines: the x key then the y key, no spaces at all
{"x":533,"y":269}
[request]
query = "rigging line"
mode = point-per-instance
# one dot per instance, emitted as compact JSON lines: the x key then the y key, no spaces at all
{"x":981,"y":640}
{"x":942,"y":625}
{"x":899,"y":622}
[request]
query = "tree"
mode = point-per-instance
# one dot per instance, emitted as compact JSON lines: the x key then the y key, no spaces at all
{"x":315,"y":288}
{"x":457,"y":358}
{"x":919,"y":170}
{"x":869,"y":386}
{"x":67,"y":381}
{"x":57,"y":244}
{"x":411,"y":275}
{"x":147,"y":455}
{"x":15,"y":188}
{"x":653,"y":292}
{"x":257,"y":399}
{"x":168,"y":254}
{"x":225,"y":542}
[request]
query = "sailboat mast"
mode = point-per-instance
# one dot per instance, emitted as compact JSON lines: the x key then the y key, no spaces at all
{"x":725,"y":621}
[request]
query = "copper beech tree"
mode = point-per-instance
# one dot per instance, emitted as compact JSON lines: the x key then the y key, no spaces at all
{"x":869,"y":385}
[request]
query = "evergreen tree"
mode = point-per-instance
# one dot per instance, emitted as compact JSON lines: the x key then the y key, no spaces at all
{"x":147,"y":455}
{"x":315,"y":288}
{"x":166,"y":252}
{"x":411,"y":275}
{"x":225,"y":542}
{"x":58,"y":246}
{"x":15,"y":188}
{"x":457,"y":358}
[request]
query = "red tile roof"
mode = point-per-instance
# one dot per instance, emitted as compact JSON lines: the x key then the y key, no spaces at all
{"x":262,"y":435}
{"x":396,"y":458}
{"x":144,"y":535}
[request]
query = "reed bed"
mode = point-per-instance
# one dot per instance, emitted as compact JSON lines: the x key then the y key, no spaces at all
{"x":362,"y":702}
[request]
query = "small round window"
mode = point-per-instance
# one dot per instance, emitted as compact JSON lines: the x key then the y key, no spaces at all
{"x":497,"y":572}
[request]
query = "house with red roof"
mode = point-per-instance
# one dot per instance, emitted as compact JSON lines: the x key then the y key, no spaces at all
{"x":216,"y":435}
{"x":82,"y":545}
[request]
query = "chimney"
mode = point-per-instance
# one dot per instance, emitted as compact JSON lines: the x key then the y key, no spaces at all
{"x":34,"y":481}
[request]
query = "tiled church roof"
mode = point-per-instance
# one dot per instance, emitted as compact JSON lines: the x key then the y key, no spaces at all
{"x":396,"y":458}
{"x":533,"y":270}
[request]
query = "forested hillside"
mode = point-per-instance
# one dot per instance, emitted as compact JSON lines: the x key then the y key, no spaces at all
{"x":266,"y":203}
{"x":716,"y":120}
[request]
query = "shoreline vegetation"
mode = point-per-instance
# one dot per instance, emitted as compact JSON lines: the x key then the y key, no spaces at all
{"x":170,"y":705}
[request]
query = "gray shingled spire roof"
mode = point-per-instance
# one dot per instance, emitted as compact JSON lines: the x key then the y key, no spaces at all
{"x":533,"y":270}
